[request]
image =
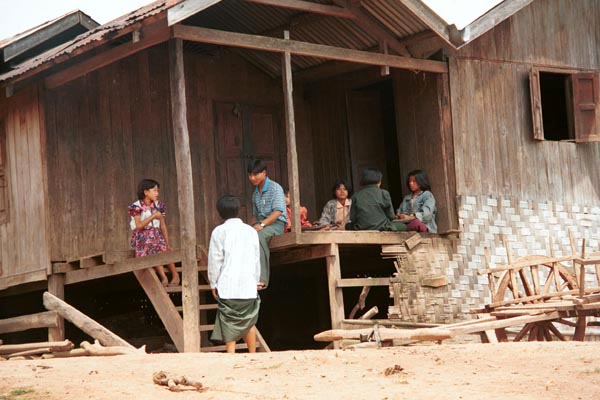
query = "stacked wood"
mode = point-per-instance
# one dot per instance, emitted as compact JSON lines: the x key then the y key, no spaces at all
{"x":439,"y":333}
{"x":30,"y":349}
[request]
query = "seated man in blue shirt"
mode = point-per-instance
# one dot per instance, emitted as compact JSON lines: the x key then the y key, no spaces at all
{"x":268,"y":213}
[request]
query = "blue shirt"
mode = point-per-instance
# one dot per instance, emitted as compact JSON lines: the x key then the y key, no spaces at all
{"x":271,"y":199}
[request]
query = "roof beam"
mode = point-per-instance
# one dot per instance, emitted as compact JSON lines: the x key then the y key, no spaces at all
{"x":307,"y":6}
{"x":150,"y":36}
{"x":371,"y":26}
{"x":491,"y":19}
{"x":185,"y":9}
{"x":429,"y":18}
{"x":203,"y":35}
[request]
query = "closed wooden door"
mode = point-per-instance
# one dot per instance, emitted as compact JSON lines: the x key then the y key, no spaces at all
{"x":244,"y":132}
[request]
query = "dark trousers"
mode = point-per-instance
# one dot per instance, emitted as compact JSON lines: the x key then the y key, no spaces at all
{"x":264,"y":236}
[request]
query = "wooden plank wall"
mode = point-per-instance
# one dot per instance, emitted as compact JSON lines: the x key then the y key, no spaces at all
{"x":421,"y":144}
{"x":418,"y":107}
{"x":493,"y":136}
{"x":24,"y":251}
{"x":108,"y":130}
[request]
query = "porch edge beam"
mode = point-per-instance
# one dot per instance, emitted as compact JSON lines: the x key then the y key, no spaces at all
{"x":315,"y":8}
{"x":185,"y":191}
{"x":290,"y":131}
{"x":212,"y":36}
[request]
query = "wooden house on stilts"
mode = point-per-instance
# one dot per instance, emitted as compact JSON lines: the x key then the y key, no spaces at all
{"x":503,"y":114}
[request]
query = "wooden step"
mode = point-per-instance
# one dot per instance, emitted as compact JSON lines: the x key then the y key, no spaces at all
{"x":202,"y":307}
{"x":201,"y":268}
{"x":239,"y":346}
{"x":178,"y":289}
{"x":209,"y":327}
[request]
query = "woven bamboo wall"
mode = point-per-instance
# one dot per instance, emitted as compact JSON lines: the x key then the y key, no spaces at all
{"x":485,"y":222}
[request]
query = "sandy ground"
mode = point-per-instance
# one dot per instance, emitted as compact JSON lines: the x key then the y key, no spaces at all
{"x":550,"y":370}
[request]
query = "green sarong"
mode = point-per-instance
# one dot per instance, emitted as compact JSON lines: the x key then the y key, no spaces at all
{"x":234,"y":319}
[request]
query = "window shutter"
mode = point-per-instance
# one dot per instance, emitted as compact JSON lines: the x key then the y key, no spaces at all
{"x":536,"y":104}
{"x":585,"y":107}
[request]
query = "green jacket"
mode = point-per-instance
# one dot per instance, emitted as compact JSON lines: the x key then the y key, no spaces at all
{"x":371,"y":209}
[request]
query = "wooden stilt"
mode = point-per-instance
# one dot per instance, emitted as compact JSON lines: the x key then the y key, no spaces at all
{"x":336,"y":297}
{"x":56,"y":286}
{"x":185,"y":186}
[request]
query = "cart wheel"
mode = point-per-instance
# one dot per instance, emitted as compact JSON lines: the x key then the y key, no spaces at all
{"x":537,"y":279}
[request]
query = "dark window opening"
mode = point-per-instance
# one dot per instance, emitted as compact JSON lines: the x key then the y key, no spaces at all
{"x":557,"y":116}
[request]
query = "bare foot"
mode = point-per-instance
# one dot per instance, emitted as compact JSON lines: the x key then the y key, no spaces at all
{"x":175,"y":281}
{"x":164,"y":281}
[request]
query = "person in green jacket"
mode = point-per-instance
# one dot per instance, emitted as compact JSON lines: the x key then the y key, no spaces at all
{"x":372,"y":207}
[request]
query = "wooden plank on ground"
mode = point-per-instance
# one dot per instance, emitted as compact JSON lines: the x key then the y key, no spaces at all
{"x":64,"y":345}
{"x":82,"y":321}
{"x":48,"y":319}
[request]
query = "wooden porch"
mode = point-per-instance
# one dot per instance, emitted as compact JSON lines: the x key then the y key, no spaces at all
{"x":295,"y":247}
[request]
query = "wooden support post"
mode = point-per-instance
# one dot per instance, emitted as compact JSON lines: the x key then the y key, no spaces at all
{"x":56,"y":286}
{"x":290,"y":131}
{"x":185,"y":191}
{"x":336,"y":297}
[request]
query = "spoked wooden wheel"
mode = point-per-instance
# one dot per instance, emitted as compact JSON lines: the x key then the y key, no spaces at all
{"x":538,"y":282}
{"x":548,"y":330}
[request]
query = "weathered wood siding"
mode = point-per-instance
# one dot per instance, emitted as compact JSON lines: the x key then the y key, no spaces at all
{"x":548,"y":32}
{"x":424,"y":137}
{"x":108,"y":130}
{"x":493,"y":137}
{"x":24,"y":252}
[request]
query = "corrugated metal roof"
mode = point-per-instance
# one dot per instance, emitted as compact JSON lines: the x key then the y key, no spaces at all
{"x":87,"y":38}
{"x":395,"y":17}
{"x":247,"y":17}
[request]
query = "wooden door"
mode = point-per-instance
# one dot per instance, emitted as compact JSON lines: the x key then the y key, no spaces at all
{"x":366,"y":133}
{"x":244,"y":132}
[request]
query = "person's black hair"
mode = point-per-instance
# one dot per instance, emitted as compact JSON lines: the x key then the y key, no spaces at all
{"x":421,"y":178}
{"x":340,"y":182}
{"x":145,"y":184}
{"x":370,"y":176}
{"x":256,"y":166}
{"x":228,"y":206}
{"x":286,"y":190}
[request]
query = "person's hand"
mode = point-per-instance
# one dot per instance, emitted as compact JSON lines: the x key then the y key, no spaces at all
{"x":214,"y":293}
{"x":156,"y":215}
{"x":257,"y":227}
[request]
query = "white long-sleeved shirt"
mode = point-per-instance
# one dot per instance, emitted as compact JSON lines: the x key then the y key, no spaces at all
{"x":234,"y":260}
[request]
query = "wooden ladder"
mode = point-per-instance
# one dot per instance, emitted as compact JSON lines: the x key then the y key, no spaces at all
{"x":171,"y":314}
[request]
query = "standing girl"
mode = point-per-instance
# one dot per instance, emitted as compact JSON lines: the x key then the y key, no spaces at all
{"x":149,"y":230}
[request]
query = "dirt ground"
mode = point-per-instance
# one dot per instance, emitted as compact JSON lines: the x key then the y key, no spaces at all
{"x":550,"y":370}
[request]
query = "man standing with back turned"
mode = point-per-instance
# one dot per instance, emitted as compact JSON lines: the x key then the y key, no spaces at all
{"x":268,"y":213}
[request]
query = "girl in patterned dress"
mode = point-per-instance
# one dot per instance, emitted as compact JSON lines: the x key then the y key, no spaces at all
{"x":149,"y":230}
